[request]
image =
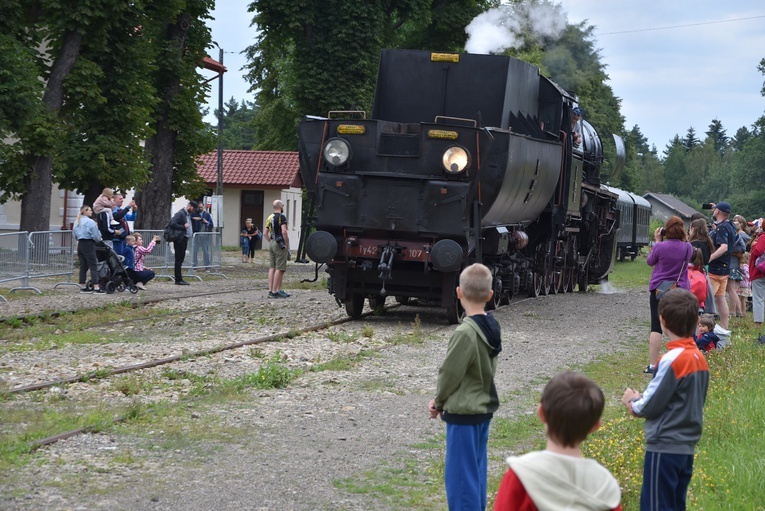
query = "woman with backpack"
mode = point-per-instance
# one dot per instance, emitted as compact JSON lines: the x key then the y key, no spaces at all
{"x":757,"y":278}
{"x":736,"y":255}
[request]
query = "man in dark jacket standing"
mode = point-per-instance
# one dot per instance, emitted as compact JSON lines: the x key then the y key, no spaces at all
{"x":181,"y":225}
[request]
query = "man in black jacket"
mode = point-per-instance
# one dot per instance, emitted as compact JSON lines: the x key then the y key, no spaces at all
{"x":181,"y":225}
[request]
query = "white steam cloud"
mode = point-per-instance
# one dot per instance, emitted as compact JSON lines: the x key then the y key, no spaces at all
{"x":504,"y":27}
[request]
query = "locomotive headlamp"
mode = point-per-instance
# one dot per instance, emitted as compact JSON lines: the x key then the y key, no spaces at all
{"x":455,"y":160}
{"x":337,"y":151}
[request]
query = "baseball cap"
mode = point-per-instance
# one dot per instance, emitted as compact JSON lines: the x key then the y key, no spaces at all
{"x":724,"y":207}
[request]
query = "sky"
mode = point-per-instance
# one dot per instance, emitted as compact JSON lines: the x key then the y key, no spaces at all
{"x":674,"y":64}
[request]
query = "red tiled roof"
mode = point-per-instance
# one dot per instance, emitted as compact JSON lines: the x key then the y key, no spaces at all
{"x":252,"y":168}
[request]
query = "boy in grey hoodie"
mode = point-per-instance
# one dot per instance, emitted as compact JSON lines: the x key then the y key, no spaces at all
{"x":466,"y":397}
{"x":559,"y":477}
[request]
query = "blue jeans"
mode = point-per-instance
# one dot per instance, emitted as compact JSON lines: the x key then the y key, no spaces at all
{"x":466,"y":465}
{"x":665,"y":481}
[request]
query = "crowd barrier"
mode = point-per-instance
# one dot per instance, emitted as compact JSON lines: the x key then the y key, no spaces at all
{"x":14,"y":258}
{"x":203,"y":254}
{"x":43,"y":254}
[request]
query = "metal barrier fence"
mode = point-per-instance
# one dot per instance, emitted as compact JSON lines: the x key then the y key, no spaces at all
{"x":206,"y":253}
{"x":14,"y":258}
{"x":43,"y":254}
{"x":51,"y":254}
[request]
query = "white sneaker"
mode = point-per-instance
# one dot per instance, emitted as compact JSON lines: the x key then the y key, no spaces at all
{"x":140,"y":285}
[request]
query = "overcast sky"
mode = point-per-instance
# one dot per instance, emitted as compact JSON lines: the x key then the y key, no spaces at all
{"x":674,"y":63}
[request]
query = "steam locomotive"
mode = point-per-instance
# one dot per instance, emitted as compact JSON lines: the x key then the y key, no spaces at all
{"x":467,"y":158}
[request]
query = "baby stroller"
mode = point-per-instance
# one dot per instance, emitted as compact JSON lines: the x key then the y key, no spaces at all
{"x":112,"y":275}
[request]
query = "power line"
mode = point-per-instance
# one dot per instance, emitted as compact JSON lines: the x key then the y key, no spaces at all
{"x":682,"y":26}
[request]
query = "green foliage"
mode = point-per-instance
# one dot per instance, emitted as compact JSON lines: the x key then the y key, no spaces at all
{"x":106,"y":74}
{"x":313,"y":57}
{"x":273,"y":374}
{"x":718,"y":135}
{"x":238,"y":124}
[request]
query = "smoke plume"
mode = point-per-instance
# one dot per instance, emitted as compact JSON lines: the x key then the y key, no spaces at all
{"x":505,"y":26}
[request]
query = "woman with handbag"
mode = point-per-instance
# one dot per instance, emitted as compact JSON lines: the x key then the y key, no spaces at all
{"x":669,"y":257}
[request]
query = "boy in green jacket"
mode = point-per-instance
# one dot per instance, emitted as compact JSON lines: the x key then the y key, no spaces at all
{"x":466,"y":397}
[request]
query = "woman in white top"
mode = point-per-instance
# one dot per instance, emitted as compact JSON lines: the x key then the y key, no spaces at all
{"x":86,"y":233}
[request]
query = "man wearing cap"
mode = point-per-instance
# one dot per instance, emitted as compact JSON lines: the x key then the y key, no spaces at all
{"x":723,"y":235}
{"x":181,"y":223}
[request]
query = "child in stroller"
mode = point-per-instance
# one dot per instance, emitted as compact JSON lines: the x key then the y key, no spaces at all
{"x":112,"y":275}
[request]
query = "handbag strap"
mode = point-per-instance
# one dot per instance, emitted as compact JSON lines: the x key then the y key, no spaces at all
{"x":685,"y":263}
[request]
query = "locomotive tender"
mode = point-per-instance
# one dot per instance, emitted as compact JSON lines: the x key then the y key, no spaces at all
{"x":467,"y":158}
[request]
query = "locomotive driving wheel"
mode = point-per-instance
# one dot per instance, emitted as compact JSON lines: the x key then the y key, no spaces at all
{"x":558,"y":283}
{"x":355,"y":305}
{"x":496,"y":298}
{"x":547,"y":282}
{"x":572,"y":274}
{"x":566,"y":277}
{"x":455,"y":312}
{"x":506,"y":297}
{"x":535,"y":285}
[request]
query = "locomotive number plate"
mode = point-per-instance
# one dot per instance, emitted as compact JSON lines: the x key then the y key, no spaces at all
{"x":406,"y":250}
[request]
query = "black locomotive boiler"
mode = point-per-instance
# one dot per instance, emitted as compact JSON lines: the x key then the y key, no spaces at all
{"x":466,"y":158}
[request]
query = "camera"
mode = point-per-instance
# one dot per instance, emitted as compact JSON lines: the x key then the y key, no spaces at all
{"x":663,"y":232}
{"x":707,"y":205}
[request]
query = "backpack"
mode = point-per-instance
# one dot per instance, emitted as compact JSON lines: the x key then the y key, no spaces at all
{"x":171,"y":235}
{"x":276,"y":230}
{"x":698,"y":281}
{"x":760,"y":263}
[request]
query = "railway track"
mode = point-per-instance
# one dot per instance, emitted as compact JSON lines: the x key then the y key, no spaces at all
{"x":137,"y":303}
{"x":103,"y":374}
{"x":155,"y":363}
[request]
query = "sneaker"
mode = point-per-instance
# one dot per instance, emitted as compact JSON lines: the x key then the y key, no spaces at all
{"x":283,"y":293}
{"x":649,"y":370}
{"x":274,"y":295}
{"x":86,"y":291}
{"x":761,"y":339}
{"x":181,"y":283}
{"x":140,"y":285}
{"x":99,"y":292}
